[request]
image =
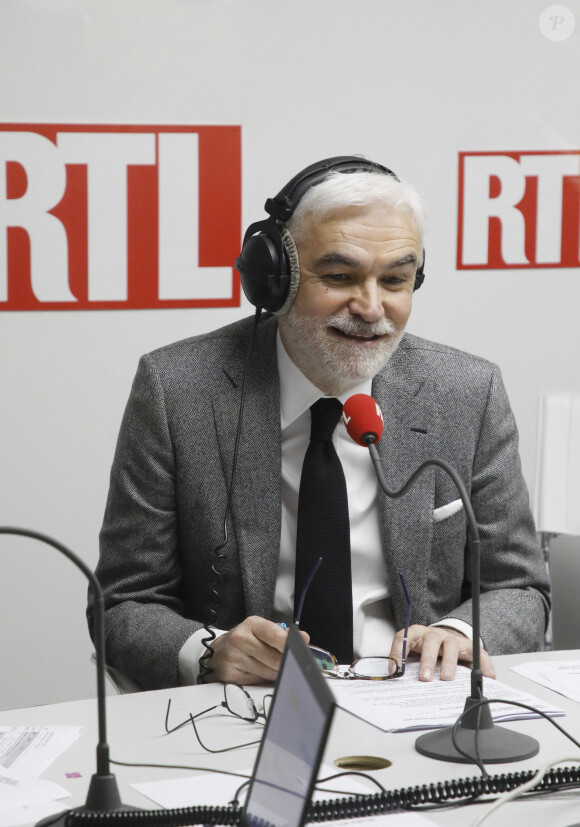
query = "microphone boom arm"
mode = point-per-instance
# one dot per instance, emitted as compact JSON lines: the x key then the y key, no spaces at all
{"x":473,"y":541}
{"x":474,"y":737}
{"x":103,"y":794}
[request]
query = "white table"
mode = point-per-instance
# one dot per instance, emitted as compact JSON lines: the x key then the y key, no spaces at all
{"x":136,"y":733}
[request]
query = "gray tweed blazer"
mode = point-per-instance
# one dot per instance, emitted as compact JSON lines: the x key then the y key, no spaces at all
{"x":165,"y":511}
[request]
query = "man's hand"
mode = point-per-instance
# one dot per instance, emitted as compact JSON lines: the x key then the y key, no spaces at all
{"x":439,"y":641}
{"x":250,"y":653}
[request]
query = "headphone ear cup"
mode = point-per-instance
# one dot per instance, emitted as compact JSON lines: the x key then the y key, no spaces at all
{"x":419,"y":279}
{"x":420,"y":275}
{"x":292,"y":253}
{"x":264,"y":267}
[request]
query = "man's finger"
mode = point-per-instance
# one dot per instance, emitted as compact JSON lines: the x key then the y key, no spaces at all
{"x":250,"y":652}
{"x":397,"y":646}
{"x":259,"y":638}
{"x":430,"y":648}
{"x":486,"y":664}
{"x":451,"y":648}
{"x":268,"y":633}
{"x":434,"y":642}
{"x":239,"y":668}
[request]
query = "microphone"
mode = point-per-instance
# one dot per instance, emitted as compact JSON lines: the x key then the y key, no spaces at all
{"x":475,"y":738}
{"x":363,"y":419}
{"x":103,"y":795}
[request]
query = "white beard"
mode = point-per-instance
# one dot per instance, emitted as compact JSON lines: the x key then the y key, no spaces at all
{"x":333,"y":365}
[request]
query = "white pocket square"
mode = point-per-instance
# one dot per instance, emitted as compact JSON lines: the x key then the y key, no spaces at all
{"x":445,"y":511}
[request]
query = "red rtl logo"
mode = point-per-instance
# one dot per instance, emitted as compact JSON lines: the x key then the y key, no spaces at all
{"x":519,"y":209}
{"x":107,"y":217}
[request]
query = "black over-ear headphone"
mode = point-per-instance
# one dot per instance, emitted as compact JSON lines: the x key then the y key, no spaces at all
{"x":265,"y":263}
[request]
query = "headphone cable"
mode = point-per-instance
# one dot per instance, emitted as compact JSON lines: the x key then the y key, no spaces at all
{"x":215,"y":597}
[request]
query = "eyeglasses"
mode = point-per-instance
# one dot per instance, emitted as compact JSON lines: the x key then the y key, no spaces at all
{"x":238,"y":703}
{"x":364,"y":669}
{"x":367,"y":668}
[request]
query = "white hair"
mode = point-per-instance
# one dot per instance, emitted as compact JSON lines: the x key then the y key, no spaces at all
{"x":356,"y":189}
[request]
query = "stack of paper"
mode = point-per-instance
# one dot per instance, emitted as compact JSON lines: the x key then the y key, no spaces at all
{"x":562,"y":676}
{"x":25,"y":753}
{"x":407,"y":703}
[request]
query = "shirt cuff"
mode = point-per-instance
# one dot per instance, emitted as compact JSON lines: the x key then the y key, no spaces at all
{"x":459,"y":626}
{"x":189,"y":655}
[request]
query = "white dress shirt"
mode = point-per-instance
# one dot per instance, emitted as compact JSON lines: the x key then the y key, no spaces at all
{"x":373,"y":625}
{"x":369,"y":588}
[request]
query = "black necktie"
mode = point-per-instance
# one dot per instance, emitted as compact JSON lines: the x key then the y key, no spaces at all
{"x":324,"y":531}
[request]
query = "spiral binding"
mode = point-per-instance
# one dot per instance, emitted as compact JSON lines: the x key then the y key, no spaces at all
{"x":444,"y":792}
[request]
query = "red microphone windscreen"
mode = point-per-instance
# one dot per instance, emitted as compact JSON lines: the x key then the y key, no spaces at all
{"x":362,"y":416}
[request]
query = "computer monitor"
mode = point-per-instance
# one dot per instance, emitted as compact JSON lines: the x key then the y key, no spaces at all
{"x":293,"y":742}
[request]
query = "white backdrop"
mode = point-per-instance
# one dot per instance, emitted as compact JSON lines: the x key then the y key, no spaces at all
{"x":408,"y":83}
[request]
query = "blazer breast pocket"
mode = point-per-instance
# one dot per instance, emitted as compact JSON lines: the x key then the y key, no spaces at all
{"x":446,"y":565}
{"x":446,"y":511}
{"x":449,"y":529}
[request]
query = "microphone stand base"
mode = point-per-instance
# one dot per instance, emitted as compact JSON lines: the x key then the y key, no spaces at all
{"x":479,"y":738}
{"x":61,"y":819}
{"x":103,"y":797}
{"x":494,"y":746}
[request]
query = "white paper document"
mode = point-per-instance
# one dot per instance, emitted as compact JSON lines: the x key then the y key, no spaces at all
{"x":562,"y":676}
{"x":214,"y":789}
{"x":30,"y":814}
{"x":17,"y":792}
{"x":27,"y":751}
{"x":206,"y":789}
{"x":407,"y":703}
{"x":388,"y":820}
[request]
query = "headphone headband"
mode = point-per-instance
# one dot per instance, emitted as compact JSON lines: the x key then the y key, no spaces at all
{"x":282,"y":206}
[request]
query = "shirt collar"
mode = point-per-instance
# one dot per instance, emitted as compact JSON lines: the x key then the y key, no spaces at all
{"x":298,"y":393}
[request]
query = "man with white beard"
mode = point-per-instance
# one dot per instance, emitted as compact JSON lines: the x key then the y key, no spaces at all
{"x":353,"y":245}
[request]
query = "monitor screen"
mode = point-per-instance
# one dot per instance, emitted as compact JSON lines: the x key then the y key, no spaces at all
{"x":292,"y":744}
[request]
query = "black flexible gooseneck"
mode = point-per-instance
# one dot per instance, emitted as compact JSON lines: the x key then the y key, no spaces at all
{"x":477,"y":738}
{"x":103,"y":795}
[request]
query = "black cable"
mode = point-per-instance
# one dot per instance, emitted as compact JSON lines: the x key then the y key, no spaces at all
{"x":235,"y":801}
{"x":364,"y":775}
{"x":477,"y":760}
{"x":436,"y":796}
{"x":511,"y":703}
{"x":319,"y":781}
{"x":179,"y":767}
{"x":440,"y":795}
{"x":215,"y":597}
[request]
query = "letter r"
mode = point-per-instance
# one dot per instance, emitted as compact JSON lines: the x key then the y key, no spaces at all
{"x":46,"y":183}
{"x":479,"y":207}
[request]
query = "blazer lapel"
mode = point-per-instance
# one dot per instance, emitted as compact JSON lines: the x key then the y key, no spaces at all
{"x":406,"y":522}
{"x":256,"y":500}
